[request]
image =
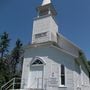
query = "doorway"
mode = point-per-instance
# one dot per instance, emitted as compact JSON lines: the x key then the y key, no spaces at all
{"x":36,"y":74}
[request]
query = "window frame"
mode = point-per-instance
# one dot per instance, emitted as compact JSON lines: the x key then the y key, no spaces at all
{"x":40,"y":35}
{"x":61,"y":75}
{"x":37,"y":62}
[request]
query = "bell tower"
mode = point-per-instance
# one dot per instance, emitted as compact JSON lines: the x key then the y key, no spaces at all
{"x":44,"y":26}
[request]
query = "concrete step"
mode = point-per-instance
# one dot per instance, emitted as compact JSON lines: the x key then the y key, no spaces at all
{"x":36,"y":89}
{"x":27,"y":89}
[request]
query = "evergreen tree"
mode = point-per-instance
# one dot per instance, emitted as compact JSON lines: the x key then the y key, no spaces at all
{"x":16,"y":56}
{"x":9,"y":60}
{"x":4,"y":70}
{"x":4,"y":44}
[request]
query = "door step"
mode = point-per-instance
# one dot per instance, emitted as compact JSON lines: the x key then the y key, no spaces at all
{"x":28,"y":89}
{"x":36,"y":89}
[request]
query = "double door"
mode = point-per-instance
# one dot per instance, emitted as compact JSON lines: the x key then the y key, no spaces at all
{"x":36,"y":77}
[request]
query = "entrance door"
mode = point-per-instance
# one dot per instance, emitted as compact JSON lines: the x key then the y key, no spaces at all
{"x":36,"y":77}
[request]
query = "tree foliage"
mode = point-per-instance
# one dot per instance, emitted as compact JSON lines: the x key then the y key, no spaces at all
{"x":9,"y":59}
{"x":4,"y":44}
{"x":16,"y":55}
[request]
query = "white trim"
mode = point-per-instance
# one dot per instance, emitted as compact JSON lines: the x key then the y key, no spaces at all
{"x":38,"y":65}
{"x":81,"y":75}
{"x":62,"y":86}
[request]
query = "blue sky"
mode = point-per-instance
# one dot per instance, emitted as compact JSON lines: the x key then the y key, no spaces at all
{"x":16,"y":17}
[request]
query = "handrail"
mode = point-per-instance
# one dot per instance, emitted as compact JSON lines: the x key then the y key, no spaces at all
{"x":15,"y":83}
{"x":7,"y":83}
{"x":12,"y":83}
{"x":9,"y":86}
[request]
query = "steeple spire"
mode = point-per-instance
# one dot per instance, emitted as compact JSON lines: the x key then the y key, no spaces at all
{"x":46,"y":2}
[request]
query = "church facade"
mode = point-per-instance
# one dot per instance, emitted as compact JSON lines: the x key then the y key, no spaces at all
{"x":52,"y":62}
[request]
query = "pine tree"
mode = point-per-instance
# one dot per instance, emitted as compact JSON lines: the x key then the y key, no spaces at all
{"x":4,"y":44}
{"x":4,"y":70}
{"x":16,"y":56}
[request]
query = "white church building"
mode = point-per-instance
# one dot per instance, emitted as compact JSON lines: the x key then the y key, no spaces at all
{"x":52,"y":62}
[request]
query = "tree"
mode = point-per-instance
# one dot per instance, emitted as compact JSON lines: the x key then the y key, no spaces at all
{"x":4,"y":44}
{"x":16,"y":56}
{"x":9,"y":59}
{"x":4,"y":70}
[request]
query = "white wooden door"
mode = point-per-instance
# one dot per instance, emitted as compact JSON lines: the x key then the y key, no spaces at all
{"x":36,"y":77}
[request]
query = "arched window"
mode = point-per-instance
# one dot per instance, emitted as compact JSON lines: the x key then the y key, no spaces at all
{"x":37,"y":61}
{"x":62,"y":75}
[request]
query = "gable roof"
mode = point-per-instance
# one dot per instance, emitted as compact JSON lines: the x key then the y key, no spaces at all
{"x":70,"y":47}
{"x":66,"y":46}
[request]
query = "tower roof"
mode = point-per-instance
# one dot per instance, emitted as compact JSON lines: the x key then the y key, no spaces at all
{"x":46,"y":2}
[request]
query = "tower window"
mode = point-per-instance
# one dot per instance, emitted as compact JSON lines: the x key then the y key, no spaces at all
{"x":62,"y":75}
{"x":41,"y":35}
{"x":43,"y":12}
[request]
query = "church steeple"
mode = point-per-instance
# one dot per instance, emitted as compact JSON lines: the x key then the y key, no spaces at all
{"x":44,"y":27}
